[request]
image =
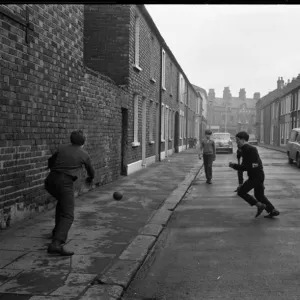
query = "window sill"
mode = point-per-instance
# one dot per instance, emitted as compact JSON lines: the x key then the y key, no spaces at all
{"x":170,"y":140}
{"x":135,"y":144}
{"x":151,"y":142}
{"x":163,"y":88}
{"x":163,"y":140}
{"x":136,"y":67}
{"x":180,"y":138}
{"x":152,"y":80}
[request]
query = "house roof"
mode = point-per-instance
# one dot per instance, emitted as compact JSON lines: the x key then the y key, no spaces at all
{"x":272,"y":96}
{"x":151,"y":23}
{"x":198,"y":88}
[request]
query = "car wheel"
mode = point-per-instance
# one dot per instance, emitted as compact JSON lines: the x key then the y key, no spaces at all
{"x":291,"y":161}
{"x":231,"y":151}
{"x":298,"y":161}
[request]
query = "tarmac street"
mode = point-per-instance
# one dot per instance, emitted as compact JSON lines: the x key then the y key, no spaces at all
{"x":213,"y":248}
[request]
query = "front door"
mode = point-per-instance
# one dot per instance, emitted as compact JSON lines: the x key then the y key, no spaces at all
{"x":176,"y":132}
{"x":124,"y":141}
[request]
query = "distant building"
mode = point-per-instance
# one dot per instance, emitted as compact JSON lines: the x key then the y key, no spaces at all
{"x":232,"y":114}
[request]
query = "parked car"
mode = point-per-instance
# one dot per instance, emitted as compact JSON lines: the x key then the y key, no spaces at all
{"x":293,"y":147}
{"x":223,"y":141}
{"x":252,"y":139}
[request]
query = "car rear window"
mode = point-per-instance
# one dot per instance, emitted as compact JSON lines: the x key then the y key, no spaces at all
{"x":221,"y":136}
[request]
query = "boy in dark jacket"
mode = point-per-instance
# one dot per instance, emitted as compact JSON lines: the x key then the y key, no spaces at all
{"x":253,"y":165}
{"x":208,"y":152}
{"x":64,"y":165}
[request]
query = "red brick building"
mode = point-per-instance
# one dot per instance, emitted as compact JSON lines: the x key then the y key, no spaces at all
{"x":134,"y":54}
{"x":53,"y":81}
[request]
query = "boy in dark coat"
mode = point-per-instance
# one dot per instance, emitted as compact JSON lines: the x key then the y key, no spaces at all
{"x":253,"y":165}
{"x":64,"y":165}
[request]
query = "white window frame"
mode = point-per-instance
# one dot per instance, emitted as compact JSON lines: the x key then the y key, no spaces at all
{"x":135,"y":142}
{"x":152,"y":65}
{"x":162,"y":122}
{"x":163,"y":85}
{"x":181,"y":87}
{"x":171,"y":78}
{"x":137,"y":43}
{"x":170,"y":124}
{"x":151,"y":121}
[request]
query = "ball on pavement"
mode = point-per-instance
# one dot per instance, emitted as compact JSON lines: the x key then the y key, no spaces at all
{"x":117,"y":196}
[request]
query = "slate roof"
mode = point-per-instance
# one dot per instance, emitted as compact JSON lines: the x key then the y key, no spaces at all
{"x":272,"y":96}
{"x":200,"y":88}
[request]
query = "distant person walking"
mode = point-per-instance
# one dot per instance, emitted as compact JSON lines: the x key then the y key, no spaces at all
{"x":256,"y":176}
{"x":64,"y":165}
{"x":208,"y":152}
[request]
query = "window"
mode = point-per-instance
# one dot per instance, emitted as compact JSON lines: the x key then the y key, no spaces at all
{"x":135,"y":120}
{"x":298,"y":138}
{"x":152,"y":64}
{"x":151,"y":117}
{"x":184,"y":127}
{"x":163,"y":123}
{"x":181,"y":88}
{"x":170,"y":124}
{"x":137,"y":41}
{"x":171,"y":78}
{"x":163,"y":69}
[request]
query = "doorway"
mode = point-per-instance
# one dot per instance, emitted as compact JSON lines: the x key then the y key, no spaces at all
{"x":144,"y":132}
{"x":124,"y":142}
{"x":176,"y":132}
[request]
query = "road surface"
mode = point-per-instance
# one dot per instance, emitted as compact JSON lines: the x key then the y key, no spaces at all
{"x":213,"y":248}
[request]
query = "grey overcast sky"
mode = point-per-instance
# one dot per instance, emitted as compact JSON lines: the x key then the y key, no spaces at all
{"x":239,"y":46}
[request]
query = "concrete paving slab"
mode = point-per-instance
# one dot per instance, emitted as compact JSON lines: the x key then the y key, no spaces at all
{"x":152,"y":229}
{"x":23,"y":243}
{"x":6,"y":275}
{"x":103,"y":292}
{"x":120,"y":273}
{"x":34,"y":282}
{"x":90,"y":264}
{"x":51,"y":298}
{"x":74,"y":284}
{"x":40,"y":260}
{"x":138,"y":248}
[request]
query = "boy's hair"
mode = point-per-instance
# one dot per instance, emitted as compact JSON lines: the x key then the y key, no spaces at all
{"x":208,"y":132}
{"x":243,"y":135}
{"x":77,"y":138}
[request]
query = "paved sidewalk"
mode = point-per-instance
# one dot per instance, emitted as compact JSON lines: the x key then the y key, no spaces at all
{"x":110,"y":238}
{"x":277,"y":148}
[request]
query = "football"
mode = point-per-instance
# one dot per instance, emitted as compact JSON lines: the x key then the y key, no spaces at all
{"x":117,"y":196}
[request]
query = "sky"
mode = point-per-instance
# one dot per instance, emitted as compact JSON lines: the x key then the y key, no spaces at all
{"x":240,"y":46}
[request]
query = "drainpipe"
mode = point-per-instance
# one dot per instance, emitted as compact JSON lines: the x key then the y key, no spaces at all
{"x":187,"y":109}
{"x":160,"y":103}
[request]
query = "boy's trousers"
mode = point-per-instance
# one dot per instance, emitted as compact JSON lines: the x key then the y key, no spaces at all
{"x":60,"y":186}
{"x":208,"y":160}
{"x":256,"y":183}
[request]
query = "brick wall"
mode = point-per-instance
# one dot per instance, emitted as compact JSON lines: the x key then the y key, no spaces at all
{"x":106,"y":38}
{"x":45,"y":94}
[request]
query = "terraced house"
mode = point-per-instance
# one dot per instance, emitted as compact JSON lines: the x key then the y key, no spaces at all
{"x":101,"y":68}
{"x":278,"y":113}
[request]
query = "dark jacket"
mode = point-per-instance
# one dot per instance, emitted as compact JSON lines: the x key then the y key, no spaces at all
{"x":69,"y":159}
{"x":251,"y":162}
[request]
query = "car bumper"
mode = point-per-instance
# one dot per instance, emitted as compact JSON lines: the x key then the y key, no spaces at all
{"x":253,"y":143}
{"x":223,"y":148}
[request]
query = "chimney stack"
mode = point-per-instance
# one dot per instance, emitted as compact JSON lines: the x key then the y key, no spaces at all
{"x":280,"y":83}
{"x":256,"y":96}
{"x":242,"y":94}
{"x":226,"y":94}
{"x":211,"y":95}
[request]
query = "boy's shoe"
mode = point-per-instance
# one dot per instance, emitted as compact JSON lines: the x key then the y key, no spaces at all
{"x":208,"y":181}
{"x":273,"y":213}
{"x":260,"y":209}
